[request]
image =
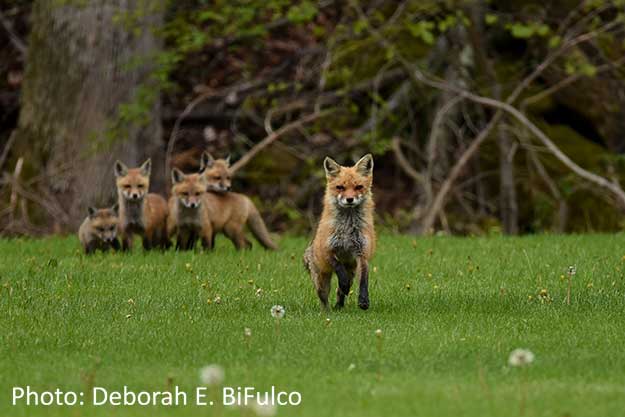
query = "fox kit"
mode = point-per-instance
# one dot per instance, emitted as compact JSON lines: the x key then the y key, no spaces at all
{"x":229,"y":212}
{"x":345,"y":238}
{"x":140,"y":212}
{"x":188,"y":215}
{"x":99,"y":230}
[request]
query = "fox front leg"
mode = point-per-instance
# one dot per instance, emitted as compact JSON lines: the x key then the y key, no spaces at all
{"x":363,"y":294}
{"x":345,"y":281}
{"x":115,"y":245}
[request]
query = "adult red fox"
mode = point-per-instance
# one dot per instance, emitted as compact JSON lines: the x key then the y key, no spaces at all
{"x":229,"y":212}
{"x":140,"y":212}
{"x":188,"y":213}
{"x":345,"y":238}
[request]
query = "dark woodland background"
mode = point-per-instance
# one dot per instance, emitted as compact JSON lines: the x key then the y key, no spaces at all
{"x":483,"y":116}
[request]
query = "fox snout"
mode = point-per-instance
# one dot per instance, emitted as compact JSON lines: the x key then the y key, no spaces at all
{"x":349,"y":201}
{"x":191,"y":203}
{"x":220,"y":188}
{"x":134,"y":195}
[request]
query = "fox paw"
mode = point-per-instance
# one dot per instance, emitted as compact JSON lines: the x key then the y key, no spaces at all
{"x":363,"y":305}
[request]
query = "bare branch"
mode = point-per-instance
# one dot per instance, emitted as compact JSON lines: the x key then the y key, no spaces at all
{"x":277,"y":134}
{"x":15,"y":40}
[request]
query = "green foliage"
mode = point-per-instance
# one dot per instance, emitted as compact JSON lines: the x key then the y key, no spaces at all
{"x":528,"y":30}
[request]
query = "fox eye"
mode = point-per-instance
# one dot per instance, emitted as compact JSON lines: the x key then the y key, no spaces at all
{"x":197,"y":194}
{"x":140,"y":185}
{"x":186,"y":194}
{"x":100,"y":229}
{"x":359,"y":187}
{"x":127,"y":186}
{"x":217,"y":178}
{"x":340,"y":188}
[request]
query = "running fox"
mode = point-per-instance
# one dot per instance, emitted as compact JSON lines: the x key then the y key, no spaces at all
{"x":140,"y":212}
{"x":229,"y":212}
{"x":345,"y":238}
{"x":99,"y":230}
{"x":188,"y":215}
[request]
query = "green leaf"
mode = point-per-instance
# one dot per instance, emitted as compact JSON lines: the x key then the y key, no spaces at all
{"x":521,"y":31}
{"x":555,"y":41}
{"x":491,"y":19}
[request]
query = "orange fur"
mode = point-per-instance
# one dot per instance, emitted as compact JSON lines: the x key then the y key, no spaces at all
{"x":345,"y":238}
{"x":99,"y":230}
{"x":140,"y":212}
{"x":188,"y":213}
{"x":229,"y":212}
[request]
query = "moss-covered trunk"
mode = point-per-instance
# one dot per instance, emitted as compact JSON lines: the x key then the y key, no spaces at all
{"x":85,"y":59}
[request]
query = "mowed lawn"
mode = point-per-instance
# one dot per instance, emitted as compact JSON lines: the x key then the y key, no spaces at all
{"x":450,"y":311}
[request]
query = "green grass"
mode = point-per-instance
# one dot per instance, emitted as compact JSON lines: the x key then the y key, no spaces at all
{"x":450,"y":309}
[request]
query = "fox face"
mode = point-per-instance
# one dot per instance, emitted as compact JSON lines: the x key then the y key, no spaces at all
{"x":188,"y":189}
{"x":104,"y":223}
{"x":133,"y":183}
{"x":349,"y":186}
{"x":216,"y":172}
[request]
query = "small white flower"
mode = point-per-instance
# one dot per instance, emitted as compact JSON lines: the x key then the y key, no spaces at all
{"x":572,"y":270}
{"x":212,"y":375}
{"x":277,"y":311}
{"x":378,"y":333}
{"x":263,"y":410}
{"x":247,"y":332}
{"x":520,"y":357}
{"x":351,"y":367}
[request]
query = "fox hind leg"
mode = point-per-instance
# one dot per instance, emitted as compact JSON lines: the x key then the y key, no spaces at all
{"x":236,"y":235}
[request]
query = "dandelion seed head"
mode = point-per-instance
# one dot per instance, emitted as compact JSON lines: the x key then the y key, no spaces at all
{"x":263,"y":410}
{"x":212,"y":375}
{"x":277,"y":311}
{"x":378,"y":333}
{"x":247,"y":332}
{"x":520,"y":358}
{"x":351,"y":367}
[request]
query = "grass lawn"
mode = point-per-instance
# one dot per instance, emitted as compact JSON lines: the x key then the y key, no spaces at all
{"x":450,"y":311}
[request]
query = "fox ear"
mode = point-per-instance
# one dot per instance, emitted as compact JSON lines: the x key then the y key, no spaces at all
{"x":365,"y":165}
{"x":146,"y":168}
{"x":120,"y":169}
{"x":331,"y":167}
{"x":207,"y":161}
{"x":115,"y":208}
{"x":91,"y":211}
{"x":176,"y":176}
{"x":227,"y":159}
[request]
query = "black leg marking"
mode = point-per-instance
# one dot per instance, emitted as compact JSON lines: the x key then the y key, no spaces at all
{"x":343,"y":276}
{"x":363,"y":295}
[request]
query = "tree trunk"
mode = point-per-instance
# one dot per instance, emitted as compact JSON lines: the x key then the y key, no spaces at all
{"x":86,"y":59}
{"x":508,"y":206}
{"x":508,"y":202}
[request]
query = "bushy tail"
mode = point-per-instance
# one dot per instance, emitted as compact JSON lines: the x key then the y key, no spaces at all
{"x":259,"y":230}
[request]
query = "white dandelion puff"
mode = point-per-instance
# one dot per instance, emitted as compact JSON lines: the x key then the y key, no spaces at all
{"x":247,"y":332}
{"x":263,"y":410}
{"x":351,"y":367}
{"x":378,"y":333}
{"x":520,"y":357}
{"x":572,"y":270}
{"x":212,"y":375}
{"x":277,"y":311}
